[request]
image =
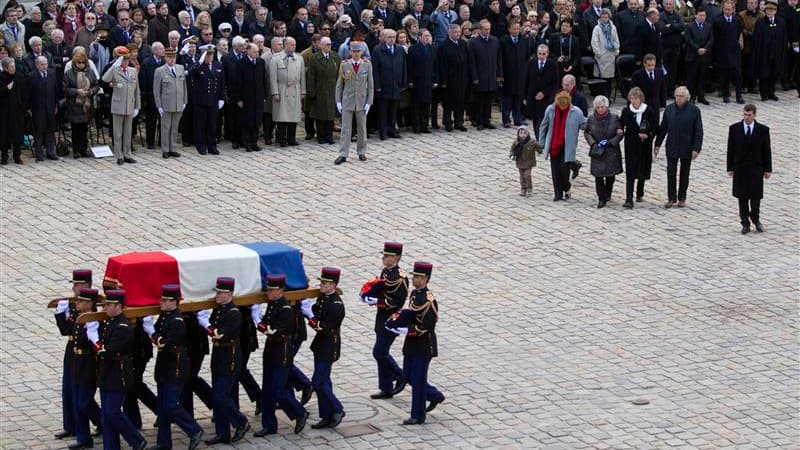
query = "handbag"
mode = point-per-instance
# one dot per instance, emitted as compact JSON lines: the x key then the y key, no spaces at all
{"x":595,"y":151}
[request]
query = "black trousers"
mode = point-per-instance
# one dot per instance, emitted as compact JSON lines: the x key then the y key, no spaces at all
{"x":728,"y":74}
{"x":324,"y":131}
{"x":42,"y":139}
{"x":483,"y":108}
{"x":604,"y":186}
{"x":560,"y":172}
{"x":421,"y":114}
{"x":669,"y":58}
{"x":287,"y":133}
{"x":186,"y":125}
{"x":17,"y":152}
{"x":672,"y":171}
{"x":766,"y":85}
{"x":749,"y":79}
{"x":387,"y":116}
{"x":150,"y":119}
{"x":196,"y":385}
{"x":247,"y":381}
{"x":749,"y":210}
{"x":269,"y":127}
{"x":696,"y":77}
{"x":453,"y":111}
{"x":232,"y":131}
{"x":139,"y":391}
{"x":436,"y":96}
{"x":309,"y":124}
{"x":80,"y":139}
{"x":630,"y":180}
{"x":205,"y":127}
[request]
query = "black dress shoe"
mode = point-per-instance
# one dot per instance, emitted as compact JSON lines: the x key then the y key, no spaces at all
{"x":425,"y":131}
{"x":557,"y":198}
{"x":63,"y":434}
{"x":264,"y":432}
{"x":726,"y":100}
{"x":119,"y":161}
{"x":294,"y":144}
{"x":165,"y":155}
{"x":306,"y":396}
{"x":398,"y":387}
{"x":703,"y":101}
{"x":479,"y":127}
{"x":639,"y":198}
{"x":576,"y":168}
{"x":174,"y":155}
{"x":77,"y":446}
{"x":448,"y":128}
{"x":759,"y":227}
{"x":256,"y":148}
{"x":773,"y":97}
{"x":601,"y":204}
{"x":56,"y":158}
{"x":412,"y":421}
{"x":627,"y":205}
{"x":324,"y":423}
{"x":267,"y":141}
{"x":435,"y":126}
{"x":301,"y":422}
{"x":506,"y":125}
{"x":74,"y":155}
{"x":382,"y":137}
{"x":336,"y":419}
{"x":362,"y":157}
{"x":395,"y":135}
{"x":309,"y":137}
{"x":213,"y":151}
{"x":195,"y":440}
{"x":235,"y":145}
{"x":129,"y":160}
{"x":218,"y":440}
{"x":745,"y":228}
{"x":432,"y":405}
{"x":331,"y":141}
{"x":202,"y":152}
{"x":340,"y":160}
{"x":461,"y":128}
{"x":142,"y":445}
{"x":239,"y":433}
{"x":740,"y":100}
{"x":489,"y":126}
{"x":380,"y":395}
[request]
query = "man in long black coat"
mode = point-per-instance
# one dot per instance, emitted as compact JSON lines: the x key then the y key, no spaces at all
{"x":514,"y":51}
{"x":541,"y":83}
{"x":648,"y":37}
{"x":422,"y":78}
{"x":699,"y":41}
{"x":453,"y":60}
{"x":749,"y":163}
{"x":390,"y":77}
{"x":12,"y":102}
{"x":486,"y":70}
{"x":650,"y":80}
{"x":728,"y":52}
{"x":232,"y":131}
{"x":769,"y":60}
{"x":250,"y":90}
{"x":43,"y":95}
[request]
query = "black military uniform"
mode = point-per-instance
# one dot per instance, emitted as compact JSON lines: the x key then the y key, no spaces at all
{"x":186,"y":125}
{"x":208,"y":90}
{"x":326,"y":318}
{"x":116,"y":377}
{"x":197,"y":348}
{"x":249,"y":344}
{"x":84,"y":376}
{"x":141,"y":354}
{"x":395,"y":292}
{"x":298,"y":381}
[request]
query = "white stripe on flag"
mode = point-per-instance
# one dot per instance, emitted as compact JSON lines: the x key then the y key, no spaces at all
{"x":199,"y":268}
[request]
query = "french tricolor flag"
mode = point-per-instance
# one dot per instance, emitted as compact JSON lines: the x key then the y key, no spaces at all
{"x":142,"y":274}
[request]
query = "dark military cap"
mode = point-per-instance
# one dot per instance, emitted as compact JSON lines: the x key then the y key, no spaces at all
{"x":330,"y":274}
{"x":392,"y":248}
{"x":82,"y":276}
{"x":422,"y":268}
{"x":277,"y":281}
{"x":225,"y":284}
{"x":115,"y":296}
{"x":102,"y":26}
{"x":171,"y":292}
{"x":88,"y":294}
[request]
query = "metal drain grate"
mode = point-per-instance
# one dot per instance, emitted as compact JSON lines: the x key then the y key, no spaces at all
{"x":358,"y":429}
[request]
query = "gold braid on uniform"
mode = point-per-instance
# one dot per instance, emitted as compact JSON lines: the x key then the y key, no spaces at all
{"x":342,"y":75}
{"x":423,"y":309}
{"x":390,"y":287}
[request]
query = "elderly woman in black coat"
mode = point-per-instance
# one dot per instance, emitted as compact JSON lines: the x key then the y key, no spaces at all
{"x":12,"y":106}
{"x":603,"y":133}
{"x":80,"y":87}
{"x":422,"y":79}
{"x":640,"y":123}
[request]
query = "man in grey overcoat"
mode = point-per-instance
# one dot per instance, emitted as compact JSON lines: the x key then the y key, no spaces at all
{"x":287,"y":75}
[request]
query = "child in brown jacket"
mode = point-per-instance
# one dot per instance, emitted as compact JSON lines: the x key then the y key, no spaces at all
{"x":523,"y":151}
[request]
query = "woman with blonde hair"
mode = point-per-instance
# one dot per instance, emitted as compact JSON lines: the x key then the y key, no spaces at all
{"x":80,"y":86}
{"x":203,"y":21}
{"x":640,"y":122}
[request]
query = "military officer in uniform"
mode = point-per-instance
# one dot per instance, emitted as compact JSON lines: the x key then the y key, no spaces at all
{"x":249,"y":343}
{"x":117,"y":374}
{"x":325,"y":316}
{"x":65,"y":321}
{"x":170,"y":92}
{"x":298,"y":381}
{"x":224,"y":327}
{"x":172,"y":369}
{"x":420,"y":345}
{"x":125,"y":103}
{"x":208,"y":97}
{"x":84,"y":371}
{"x":278,"y":324}
{"x":188,"y":57}
{"x":197,"y":348}
{"x":390,"y":377}
{"x":354,"y":93}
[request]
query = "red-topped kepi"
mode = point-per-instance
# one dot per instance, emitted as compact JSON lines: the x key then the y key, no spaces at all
{"x":330,"y":274}
{"x":392,"y":248}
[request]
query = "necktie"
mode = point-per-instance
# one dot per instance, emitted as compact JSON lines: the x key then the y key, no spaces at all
{"x":653,"y":26}
{"x":729,"y":20}
{"x":541,"y":65}
{"x":701,"y":26}
{"x":14,"y":31}
{"x":125,"y":72}
{"x":391,"y":49}
{"x":172,"y":69}
{"x":652,"y":76}
{"x":44,"y":75}
{"x":749,"y":130}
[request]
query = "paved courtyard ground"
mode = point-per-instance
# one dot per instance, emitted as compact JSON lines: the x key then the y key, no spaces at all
{"x":556,"y":318}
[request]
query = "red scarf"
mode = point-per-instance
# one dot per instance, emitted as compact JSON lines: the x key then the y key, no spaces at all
{"x":559,"y":130}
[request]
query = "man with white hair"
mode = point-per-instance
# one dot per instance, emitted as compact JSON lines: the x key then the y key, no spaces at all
{"x":323,"y":70}
{"x":146,"y":77}
{"x":391,"y":78}
{"x":231,"y":112}
{"x":37,"y":50}
{"x":287,"y":77}
{"x":43,"y":93}
{"x":59,"y":51}
{"x":276,"y":46}
{"x":186,"y":27}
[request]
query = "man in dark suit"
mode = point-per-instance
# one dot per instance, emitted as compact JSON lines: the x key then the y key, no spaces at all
{"x":650,"y":80}
{"x":728,"y":52}
{"x":122,"y":34}
{"x":43,"y":95}
{"x":749,"y":163}
{"x":208,"y":84}
{"x":422,"y":72}
{"x":229,"y":62}
{"x":486,"y":72}
{"x":159,"y":27}
{"x":671,"y":25}
{"x":699,"y":40}
{"x":769,"y":42}
{"x":541,"y":83}
{"x":149,"y":66}
{"x":453,"y":60}
{"x":390,"y":78}
{"x":37,"y":50}
{"x":648,"y":37}
{"x":249,"y":92}
{"x":514,"y":51}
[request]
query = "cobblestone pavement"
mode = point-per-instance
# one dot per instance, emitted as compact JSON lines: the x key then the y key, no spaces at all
{"x":556,"y":318}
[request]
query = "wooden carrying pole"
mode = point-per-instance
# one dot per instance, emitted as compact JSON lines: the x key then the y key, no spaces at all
{"x":194,"y":306}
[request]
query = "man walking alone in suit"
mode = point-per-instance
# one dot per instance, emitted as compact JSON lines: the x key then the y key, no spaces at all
{"x":749,"y":163}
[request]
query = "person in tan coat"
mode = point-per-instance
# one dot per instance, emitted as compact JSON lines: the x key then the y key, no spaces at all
{"x":125,"y":102}
{"x":287,"y":74}
{"x":523,"y":152}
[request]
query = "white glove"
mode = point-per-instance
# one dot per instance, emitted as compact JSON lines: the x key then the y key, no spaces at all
{"x":305,"y":306}
{"x":184,"y":49}
{"x":62,"y":306}
{"x":202,"y":318}
{"x":370,"y":300}
{"x":366,"y":108}
{"x":220,"y":104}
{"x":255,"y":313}
{"x":117,"y":62}
{"x":796,"y":49}
{"x":339,"y":106}
{"x":135,"y":112}
{"x":270,"y":331}
{"x":401,"y":330}
{"x":149,"y":325}
{"x":203,"y":58}
{"x":160,"y":111}
{"x":91,"y":332}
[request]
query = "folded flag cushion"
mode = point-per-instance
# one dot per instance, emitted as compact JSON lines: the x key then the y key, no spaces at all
{"x":142,"y":274}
